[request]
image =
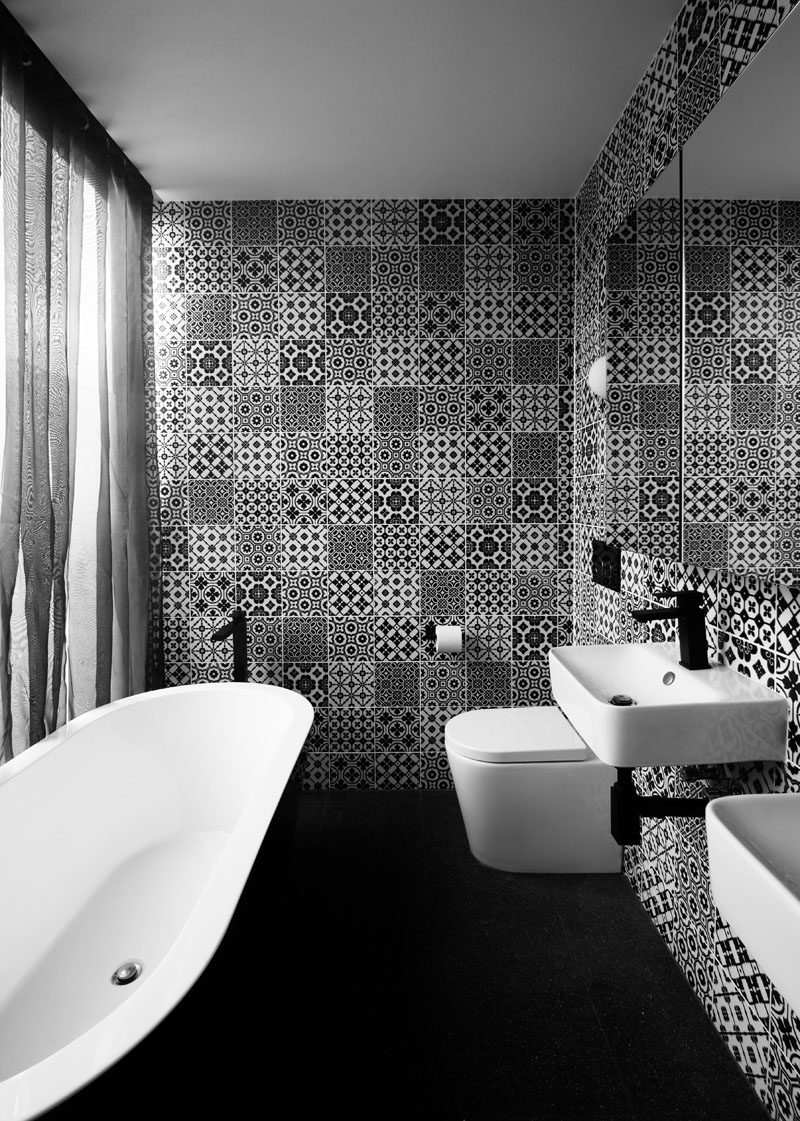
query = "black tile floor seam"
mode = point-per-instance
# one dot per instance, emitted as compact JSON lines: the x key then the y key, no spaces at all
{"x":435,"y":987}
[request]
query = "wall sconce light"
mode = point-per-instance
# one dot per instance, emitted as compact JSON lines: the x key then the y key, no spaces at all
{"x":596,"y":378}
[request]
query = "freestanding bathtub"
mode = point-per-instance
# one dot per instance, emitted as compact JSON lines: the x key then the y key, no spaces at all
{"x":129,"y":838}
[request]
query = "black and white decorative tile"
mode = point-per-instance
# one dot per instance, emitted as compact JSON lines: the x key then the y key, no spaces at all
{"x":305,"y":640}
{"x":394,"y":222}
{"x":396,"y":591}
{"x":336,"y":453}
{"x":304,"y":590}
{"x":488,"y":221}
{"x":735,"y":359}
{"x":489,"y":684}
{"x":348,"y":727}
{"x":300,"y":222}
{"x":396,"y":546}
{"x":397,"y":770}
{"x":396,"y":639}
{"x":207,"y":221}
{"x":441,"y":545}
{"x":254,"y":222}
{"x":434,"y":769}
{"x":352,"y":771}
{"x":441,"y":221}
{"x":536,"y":220}
{"x":397,"y":729}
{"x":301,"y":267}
{"x":347,"y":221}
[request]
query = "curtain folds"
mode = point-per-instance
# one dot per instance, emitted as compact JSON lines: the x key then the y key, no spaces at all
{"x":74,"y":551}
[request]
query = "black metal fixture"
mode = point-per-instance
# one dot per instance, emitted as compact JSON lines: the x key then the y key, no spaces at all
{"x":628,"y":808}
{"x":607,"y":564}
{"x":238,"y":628}
{"x":690,"y":611}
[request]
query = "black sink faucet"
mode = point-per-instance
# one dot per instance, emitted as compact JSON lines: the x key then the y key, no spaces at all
{"x":690,"y":611}
{"x":238,"y":628}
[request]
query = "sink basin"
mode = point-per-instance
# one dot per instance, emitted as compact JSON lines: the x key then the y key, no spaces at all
{"x":754,"y":857}
{"x":703,"y":716}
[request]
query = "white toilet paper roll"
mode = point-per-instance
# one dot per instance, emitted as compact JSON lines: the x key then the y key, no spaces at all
{"x":448,"y":640}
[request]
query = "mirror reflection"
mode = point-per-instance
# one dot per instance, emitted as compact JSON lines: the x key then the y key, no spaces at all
{"x":643,"y":333}
{"x":741,"y":415}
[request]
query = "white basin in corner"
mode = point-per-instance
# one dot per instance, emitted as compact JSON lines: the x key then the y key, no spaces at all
{"x":754,"y":858}
{"x":703,"y":716}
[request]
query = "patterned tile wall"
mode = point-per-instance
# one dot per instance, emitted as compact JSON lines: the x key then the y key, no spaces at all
{"x":643,"y":414}
{"x":754,"y":626}
{"x":742,"y":454}
{"x":365,"y":427}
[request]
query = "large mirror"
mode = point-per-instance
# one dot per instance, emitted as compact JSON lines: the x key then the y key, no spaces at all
{"x":741,"y":401}
{"x":643,"y":353}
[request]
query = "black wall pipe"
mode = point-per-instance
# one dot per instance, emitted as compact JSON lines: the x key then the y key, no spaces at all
{"x":628,"y":808}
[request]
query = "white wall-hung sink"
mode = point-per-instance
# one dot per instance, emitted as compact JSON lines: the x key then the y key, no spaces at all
{"x":754,"y":858}
{"x":677,"y":715}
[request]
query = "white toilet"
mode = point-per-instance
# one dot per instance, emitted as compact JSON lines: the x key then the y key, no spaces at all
{"x":533,"y":796}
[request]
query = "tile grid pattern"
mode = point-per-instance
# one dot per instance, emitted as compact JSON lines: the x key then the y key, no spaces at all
{"x":643,"y":410}
{"x":742,"y":456}
{"x":753,"y":625}
{"x":364,"y":413}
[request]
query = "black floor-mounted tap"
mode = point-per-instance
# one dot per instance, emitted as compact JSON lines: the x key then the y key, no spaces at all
{"x":690,"y":611}
{"x":238,"y":628}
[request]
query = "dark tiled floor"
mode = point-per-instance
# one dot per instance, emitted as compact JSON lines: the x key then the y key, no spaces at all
{"x":429,"y":986}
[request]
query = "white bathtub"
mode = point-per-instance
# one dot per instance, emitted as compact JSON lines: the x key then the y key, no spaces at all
{"x":130,"y":837}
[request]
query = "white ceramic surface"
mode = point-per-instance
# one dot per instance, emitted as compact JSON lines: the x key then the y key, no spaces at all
{"x":129,"y":835}
{"x":754,"y":858}
{"x":546,"y":814}
{"x":704,"y":716}
{"x":538,"y":734}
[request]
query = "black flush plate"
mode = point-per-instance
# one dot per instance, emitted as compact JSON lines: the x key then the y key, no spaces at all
{"x":606,"y":565}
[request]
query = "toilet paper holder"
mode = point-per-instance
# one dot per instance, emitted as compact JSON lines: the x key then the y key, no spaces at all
{"x":429,"y":635}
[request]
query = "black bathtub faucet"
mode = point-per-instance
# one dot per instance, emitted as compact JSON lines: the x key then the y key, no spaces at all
{"x":690,"y":611}
{"x":238,"y":628}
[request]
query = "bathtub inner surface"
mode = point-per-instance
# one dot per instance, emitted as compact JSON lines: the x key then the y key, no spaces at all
{"x":70,"y":988}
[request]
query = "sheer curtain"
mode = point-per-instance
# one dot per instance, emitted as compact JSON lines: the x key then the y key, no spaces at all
{"x":73,"y":494}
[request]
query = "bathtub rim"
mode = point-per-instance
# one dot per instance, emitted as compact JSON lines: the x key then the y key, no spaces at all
{"x":31,"y":1092}
{"x":38,"y":750}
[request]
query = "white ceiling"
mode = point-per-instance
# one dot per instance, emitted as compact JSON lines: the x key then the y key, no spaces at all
{"x":354,"y":98}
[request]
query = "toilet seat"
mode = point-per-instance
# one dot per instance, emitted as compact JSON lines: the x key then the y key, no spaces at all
{"x":515,"y":735}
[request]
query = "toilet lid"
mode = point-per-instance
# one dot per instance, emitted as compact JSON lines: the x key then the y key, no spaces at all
{"x":514,"y":735}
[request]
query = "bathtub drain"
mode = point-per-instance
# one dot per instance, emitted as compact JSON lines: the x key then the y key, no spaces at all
{"x":127,"y":972}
